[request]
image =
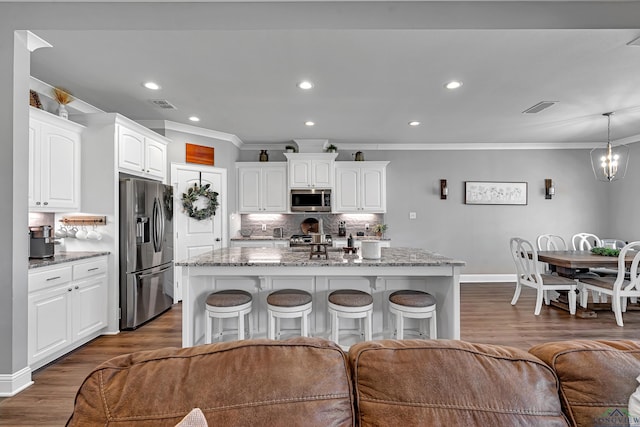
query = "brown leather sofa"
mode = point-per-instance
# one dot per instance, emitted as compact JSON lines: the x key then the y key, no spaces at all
{"x":312,"y":382}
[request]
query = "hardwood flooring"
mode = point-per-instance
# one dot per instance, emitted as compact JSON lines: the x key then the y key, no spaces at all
{"x":487,"y":317}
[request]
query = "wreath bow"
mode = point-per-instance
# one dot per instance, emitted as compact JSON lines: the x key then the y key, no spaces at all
{"x":193,"y":194}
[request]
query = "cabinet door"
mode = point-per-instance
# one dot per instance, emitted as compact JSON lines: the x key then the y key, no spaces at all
{"x":300,"y":173}
{"x":60,"y":168}
{"x":35,"y":199}
{"x":322,"y":173}
{"x":346,"y":196}
{"x":249,"y":188}
{"x":373,"y":190}
{"x":274,"y":189}
{"x":49,"y":320}
{"x":131,"y":151}
{"x":156,"y":159}
{"x":89,"y":306}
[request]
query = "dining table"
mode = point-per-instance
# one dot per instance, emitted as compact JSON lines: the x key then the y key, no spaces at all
{"x":572,"y":264}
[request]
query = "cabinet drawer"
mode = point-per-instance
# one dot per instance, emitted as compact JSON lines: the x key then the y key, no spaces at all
{"x":91,"y":268}
{"x":49,"y":277}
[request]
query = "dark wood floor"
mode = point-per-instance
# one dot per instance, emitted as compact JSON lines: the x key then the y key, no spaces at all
{"x":487,"y":317}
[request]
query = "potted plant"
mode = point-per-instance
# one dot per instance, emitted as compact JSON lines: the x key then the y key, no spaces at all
{"x":331,"y":148}
{"x":379,"y":229}
{"x":63,"y":97}
{"x":290,"y":149}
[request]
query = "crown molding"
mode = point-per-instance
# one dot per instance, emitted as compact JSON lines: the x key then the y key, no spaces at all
{"x":193,"y":130}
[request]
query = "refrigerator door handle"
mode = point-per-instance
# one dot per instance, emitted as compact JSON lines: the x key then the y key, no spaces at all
{"x":158,"y":225}
{"x":155,"y":273}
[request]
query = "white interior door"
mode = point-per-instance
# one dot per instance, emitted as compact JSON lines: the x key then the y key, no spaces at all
{"x":193,"y":237}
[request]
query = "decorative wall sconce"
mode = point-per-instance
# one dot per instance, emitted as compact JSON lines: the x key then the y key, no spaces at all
{"x":444,"y":190}
{"x":549,"y":189}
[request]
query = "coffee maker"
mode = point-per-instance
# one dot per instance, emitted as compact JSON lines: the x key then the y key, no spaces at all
{"x":41,"y":242}
{"x":342,"y":229}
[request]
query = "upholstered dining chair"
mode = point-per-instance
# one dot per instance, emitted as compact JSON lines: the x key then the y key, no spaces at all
{"x":528,"y":273}
{"x":619,"y":287}
{"x":585,"y":241}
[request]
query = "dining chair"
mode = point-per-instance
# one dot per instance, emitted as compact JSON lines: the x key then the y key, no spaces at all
{"x":585,"y":241}
{"x":551,"y":242}
{"x":528,"y":273}
{"x":619,"y":287}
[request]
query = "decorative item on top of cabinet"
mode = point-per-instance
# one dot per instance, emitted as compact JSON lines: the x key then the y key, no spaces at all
{"x":358,"y":156}
{"x":331,"y":148}
{"x":290,"y":149}
{"x":264,"y":157}
{"x":34,"y":99}
{"x":63,"y":97}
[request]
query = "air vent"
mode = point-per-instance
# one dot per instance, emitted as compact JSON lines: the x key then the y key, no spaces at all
{"x":163,"y":103}
{"x":539,"y":107}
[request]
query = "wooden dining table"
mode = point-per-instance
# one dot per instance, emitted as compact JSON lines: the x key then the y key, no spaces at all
{"x":573,"y":263}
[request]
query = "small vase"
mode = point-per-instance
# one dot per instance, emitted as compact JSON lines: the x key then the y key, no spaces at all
{"x":62,"y":111}
{"x":264,"y":157}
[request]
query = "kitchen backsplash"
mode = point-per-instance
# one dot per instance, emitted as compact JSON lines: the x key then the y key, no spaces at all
{"x":291,"y":223}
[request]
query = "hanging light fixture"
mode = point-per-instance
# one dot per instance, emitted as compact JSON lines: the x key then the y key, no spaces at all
{"x":610,"y":163}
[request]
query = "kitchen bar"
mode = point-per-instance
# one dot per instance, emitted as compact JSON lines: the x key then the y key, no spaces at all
{"x":263,"y":270}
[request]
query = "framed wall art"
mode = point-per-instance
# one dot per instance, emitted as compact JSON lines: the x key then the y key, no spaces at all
{"x":495,"y":193}
{"x":199,"y":154}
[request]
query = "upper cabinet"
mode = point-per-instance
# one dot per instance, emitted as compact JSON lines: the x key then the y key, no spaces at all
{"x":262,"y":187}
{"x":311,"y":170}
{"x":361,"y":187}
{"x":138,"y":151}
{"x":54,"y":162}
{"x":141,"y":155}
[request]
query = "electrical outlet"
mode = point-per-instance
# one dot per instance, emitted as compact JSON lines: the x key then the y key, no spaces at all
{"x":264,"y":227}
{"x":412,"y":215}
{"x":366,"y":227}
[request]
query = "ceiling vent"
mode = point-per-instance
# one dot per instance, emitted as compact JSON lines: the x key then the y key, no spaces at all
{"x":163,"y":103}
{"x":539,"y":107}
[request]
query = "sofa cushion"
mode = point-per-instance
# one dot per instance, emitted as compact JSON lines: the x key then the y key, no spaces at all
{"x":303,"y":381}
{"x":452,"y":383}
{"x":596,"y":378}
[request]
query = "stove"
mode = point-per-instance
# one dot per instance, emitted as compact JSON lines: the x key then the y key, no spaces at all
{"x":306,"y":240}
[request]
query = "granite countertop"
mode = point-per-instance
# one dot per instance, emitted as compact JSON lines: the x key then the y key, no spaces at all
{"x":260,"y":238}
{"x":297,"y":257}
{"x":62,"y":257}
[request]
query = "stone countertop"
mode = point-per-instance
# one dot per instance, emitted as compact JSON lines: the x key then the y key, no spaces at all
{"x":260,"y":238}
{"x":62,"y":257}
{"x":299,"y":257}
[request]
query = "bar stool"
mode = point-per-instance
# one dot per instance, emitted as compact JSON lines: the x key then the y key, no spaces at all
{"x":289,"y":304}
{"x":226,"y":304}
{"x":350,"y":304}
{"x":416,"y":305}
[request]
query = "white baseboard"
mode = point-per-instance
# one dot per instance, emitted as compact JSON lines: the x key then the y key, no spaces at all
{"x":487,"y":278}
{"x":12,"y":384}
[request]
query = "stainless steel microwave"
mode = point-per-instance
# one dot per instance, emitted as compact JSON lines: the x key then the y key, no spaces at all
{"x":313,"y":200}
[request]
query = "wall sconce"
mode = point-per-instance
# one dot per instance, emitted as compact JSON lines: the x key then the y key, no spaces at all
{"x":444,"y":190}
{"x":549,"y":189}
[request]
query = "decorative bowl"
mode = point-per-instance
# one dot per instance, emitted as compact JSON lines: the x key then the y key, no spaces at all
{"x":246,"y":232}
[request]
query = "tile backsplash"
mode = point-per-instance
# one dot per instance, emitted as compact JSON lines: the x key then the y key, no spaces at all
{"x":291,"y":223}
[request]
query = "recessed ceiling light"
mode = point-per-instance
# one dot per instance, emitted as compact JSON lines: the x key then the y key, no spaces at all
{"x":309,"y":123}
{"x":151,"y":85}
{"x":414,"y":123}
{"x":194,"y":119}
{"x":453,"y":85}
{"x":305,"y":84}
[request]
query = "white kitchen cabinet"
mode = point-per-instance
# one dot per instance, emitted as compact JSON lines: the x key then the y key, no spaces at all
{"x":66,"y":307}
{"x":54,"y":163}
{"x":262,"y":188}
{"x":140,"y":154}
{"x":311,"y":170}
{"x":361,"y":187}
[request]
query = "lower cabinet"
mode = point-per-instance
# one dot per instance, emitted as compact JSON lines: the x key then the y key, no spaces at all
{"x":67,"y":305}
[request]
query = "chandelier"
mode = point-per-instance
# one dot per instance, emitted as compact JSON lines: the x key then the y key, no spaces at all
{"x":609,"y":163}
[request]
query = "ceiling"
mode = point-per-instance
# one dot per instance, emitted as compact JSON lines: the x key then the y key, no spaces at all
{"x":369,"y":82}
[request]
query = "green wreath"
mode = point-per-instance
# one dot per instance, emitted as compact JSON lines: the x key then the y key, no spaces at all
{"x":193,"y":194}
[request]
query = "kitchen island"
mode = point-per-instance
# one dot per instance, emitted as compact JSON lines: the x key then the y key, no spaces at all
{"x":263,"y":270}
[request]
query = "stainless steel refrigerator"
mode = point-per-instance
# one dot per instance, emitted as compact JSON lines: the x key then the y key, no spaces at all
{"x":146,"y":251}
